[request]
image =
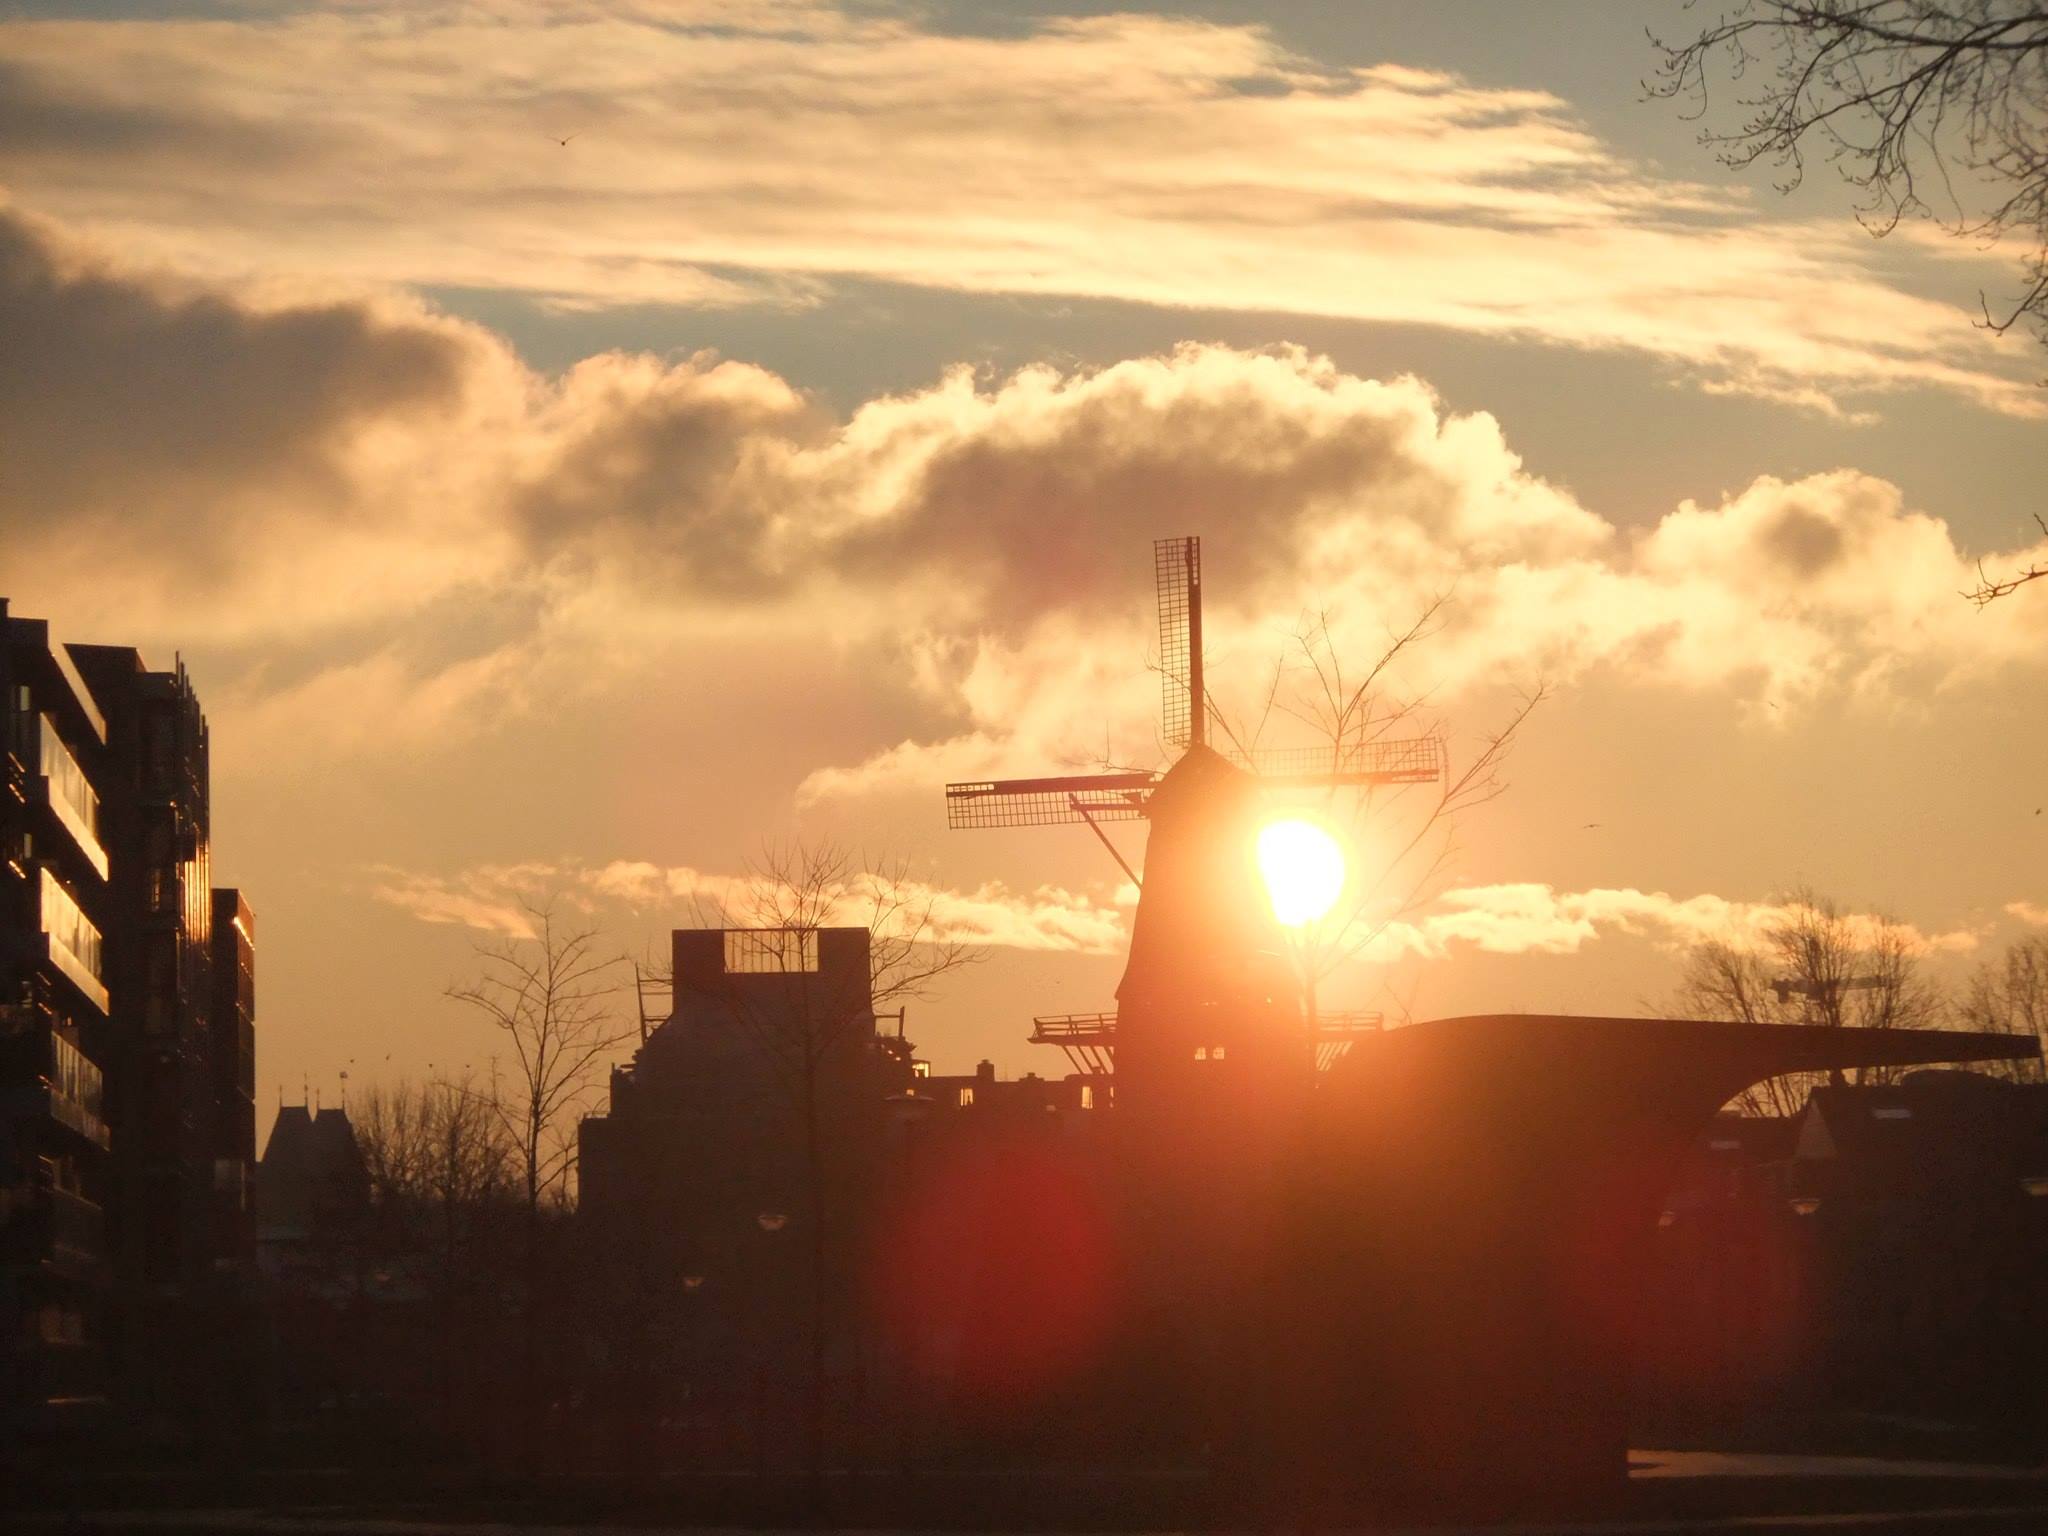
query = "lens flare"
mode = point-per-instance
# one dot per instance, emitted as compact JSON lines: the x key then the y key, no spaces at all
{"x":1304,"y":870}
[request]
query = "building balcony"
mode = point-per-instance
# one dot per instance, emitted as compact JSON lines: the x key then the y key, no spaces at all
{"x":40,"y":1100}
{"x":70,"y":1113}
{"x":58,"y":812}
{"x":59,"y":959}
{"x":14,"y":775}
{"x":58,"y":1231}
{"x":78,"y":1229}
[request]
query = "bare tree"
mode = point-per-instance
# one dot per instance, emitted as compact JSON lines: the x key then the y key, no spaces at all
{"x":812,"y":1027}
{"x":2010,"y":997}
{"x":1930,"y":108}
{"x":433,"y":1146}
{"x":1342,"y":709}
{"x":551,"y":997}
{"x":392,"y":1133}
{"x":1815,"y":965}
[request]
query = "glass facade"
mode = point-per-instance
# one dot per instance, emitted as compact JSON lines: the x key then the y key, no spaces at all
{"x":74,"y":1078}
{"x":74,"y":940}
{"x":71,"y":795}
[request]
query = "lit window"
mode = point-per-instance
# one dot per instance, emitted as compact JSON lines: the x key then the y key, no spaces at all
{"x":966,"y":1097}
{"x":74,"y":1078}
{"x":1201,"y":1053}
{"x":70,"y":795}
{"x":920,"y":1069}
{"x":1215,"y":1053}
{"x":72,"y":936}
{"x":1087,"y":1095}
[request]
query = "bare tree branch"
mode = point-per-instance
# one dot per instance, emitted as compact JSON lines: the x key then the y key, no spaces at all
{"x":1816,"y":965}
{"x":1345,"y":710}
{"x":1931,"y":108}
{"x":1989,"y":591}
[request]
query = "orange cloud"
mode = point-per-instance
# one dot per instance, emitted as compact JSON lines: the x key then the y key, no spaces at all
{"x":1535,"y":918}
{"x":487,"y":898}
{"x":432,"y":555}
{"x":747,"y":153}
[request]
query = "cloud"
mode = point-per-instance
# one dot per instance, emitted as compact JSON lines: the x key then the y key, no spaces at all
{"x":175,"y":449}
{"x":489,"y":898}
{"x":414,"y":538}
{"x":2028,"y":912}
{"x":1511,"y":918}
{"x":747,"y":153}
{"x":1535,"y":918}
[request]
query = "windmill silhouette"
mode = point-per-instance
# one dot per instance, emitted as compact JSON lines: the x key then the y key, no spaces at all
{"x":1186,"y":713}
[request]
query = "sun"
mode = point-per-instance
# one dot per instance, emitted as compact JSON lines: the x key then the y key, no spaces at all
{"x":1303,"y":867}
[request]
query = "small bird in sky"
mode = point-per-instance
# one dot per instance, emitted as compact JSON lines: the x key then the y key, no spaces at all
{"x":563,"y":142}
{"x":1592,"y":824}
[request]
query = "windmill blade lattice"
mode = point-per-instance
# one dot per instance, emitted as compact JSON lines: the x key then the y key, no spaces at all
{"x":1048,"y":802}
{"x":1404,"y":760}
{"x":1177,"y":573}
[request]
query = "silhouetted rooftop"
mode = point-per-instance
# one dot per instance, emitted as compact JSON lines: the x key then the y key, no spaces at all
{"x":312,"y":1171}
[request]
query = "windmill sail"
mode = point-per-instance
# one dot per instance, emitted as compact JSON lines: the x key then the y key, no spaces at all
{"x":1045,"y":802}
{"x":1177,"y":571}
{"x":1123,"y":796}
{"x":1390,"y":760}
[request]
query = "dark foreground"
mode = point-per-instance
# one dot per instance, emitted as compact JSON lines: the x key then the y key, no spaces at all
{"x":1679,"y":1491}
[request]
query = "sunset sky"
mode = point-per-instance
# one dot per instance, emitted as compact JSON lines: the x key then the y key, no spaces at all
{"x":574,"y":517}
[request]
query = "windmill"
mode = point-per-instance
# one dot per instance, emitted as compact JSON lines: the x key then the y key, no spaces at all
{"x":1186,"y":711}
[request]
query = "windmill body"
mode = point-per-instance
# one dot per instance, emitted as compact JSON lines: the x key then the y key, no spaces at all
{"x":1204,"y":788}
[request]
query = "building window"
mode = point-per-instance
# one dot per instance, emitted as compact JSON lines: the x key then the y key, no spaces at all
{"x":1215,"y":1053}
{"x":74,"y":1078}
{"x":71,"y":796}
{"x":73,"y":937}
{"x":1087,"y":1095}
{"x":966,"y":1097}
{"x":770,"y":951}
{"x":20,"y":722}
